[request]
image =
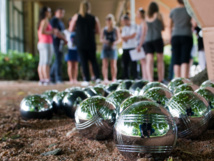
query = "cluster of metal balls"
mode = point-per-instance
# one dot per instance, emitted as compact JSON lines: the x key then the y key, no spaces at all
{"x":142,"y":117}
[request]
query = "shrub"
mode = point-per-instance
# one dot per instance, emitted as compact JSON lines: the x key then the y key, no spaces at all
{"x":23,"y":66}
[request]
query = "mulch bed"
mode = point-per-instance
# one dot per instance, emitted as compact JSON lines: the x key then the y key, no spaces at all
{"x":30,"y":140}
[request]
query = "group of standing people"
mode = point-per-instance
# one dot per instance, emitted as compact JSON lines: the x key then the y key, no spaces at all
{"x":81,"y":41}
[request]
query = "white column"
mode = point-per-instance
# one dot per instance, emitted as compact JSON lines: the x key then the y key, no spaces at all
{"x":132,"y":6}
{"x":3,"y":27}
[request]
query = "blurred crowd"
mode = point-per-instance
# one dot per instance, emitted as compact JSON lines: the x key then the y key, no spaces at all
{"x":139,"y":43}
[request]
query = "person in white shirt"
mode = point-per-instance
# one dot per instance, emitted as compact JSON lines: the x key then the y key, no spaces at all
{"x":71,"y":57}
{"x":129,"y":37}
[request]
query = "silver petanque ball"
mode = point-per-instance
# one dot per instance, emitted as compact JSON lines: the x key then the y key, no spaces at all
{"x":151,"y":85}
{"x":191,"y":113}
{"x":145,"y":128}
{"x":90,"y":91}
{"x":126,"y":84}
{"x":36,"y":107}
{"x":131,"y":100}
{"x":112,"y":87}
{"x":101,"y":91}
{"x":118,"y":97}
{"x":159,"y":94}
{"x":72,"y":100}
{"x":185,"y":87}
{"x":49,"y":95}
{"x":208,"y":94}
{"x":57,"y":103}
{"x":137,"y":87}
{"x":95,"y":118}
{"x":207,"y":83}
{"x":176,"y":82}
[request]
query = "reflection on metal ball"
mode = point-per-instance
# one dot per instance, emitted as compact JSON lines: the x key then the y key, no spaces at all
{"x":137,"y":87}
{"x":35,"y":107}
{"x":112,"y":87}
{"x":118,"y":97}
{"x":151,"y":85}
{"x":72,"y":100}
{"x":176,"y":82}
{"x":101,"y":91}
{"x":131,"y":100}
{"x":208,"y":94}
{"x":58,"y":107}
{"x":145,"y":128}
{"x":185,"y":87}
{"x":90,"y":91}
{"x":72,"y":89}
{"x":191,"y":112}
{"x":126,"y":84}
{"x":49,"y":95}
{"x":159,"y":94}
{"x":207,"y":83}
{"x":95,"y":118}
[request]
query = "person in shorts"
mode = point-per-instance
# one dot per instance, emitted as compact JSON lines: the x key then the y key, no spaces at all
{"x":181,"y":39}
{"x":110,"y":37}
{"x":71,"y":57}
{"x":154,"y":42}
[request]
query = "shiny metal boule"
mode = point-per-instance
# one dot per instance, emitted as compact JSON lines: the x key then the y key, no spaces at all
{"x":151,"y":85}
{"x":126,"y":84}
{"x":112,"y":87}
{"x":49,"y":95}
{"x":101,"y":91}
{"x":72,"y":100}
{"x":176,"y":82}
{"x":185,"y":87}
{"x":118,"y":97}
{"x":137,"y":87}
{"x":191,"y":112}
{"x":207,"y":83}
{"x":36,"y":107}
{"x":90,"y":91}
{"x":159,"y":94}
{"x":145,"y":128}
{"x":208,"y":94}
{"x":131,"y":100}
{"x":58,"y":106}
{"x":95,"y":118}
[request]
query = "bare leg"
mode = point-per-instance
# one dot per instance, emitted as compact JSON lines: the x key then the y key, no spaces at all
{"x":70,"y":71}
{"x":177,"y":71}
{"x":46,"y":71}
{"x":143,"y":68}
{"x":91,"y":71}
{"x":75,"y":71}
{"x":160,"y":67}
{"x":114,"y":70}
{"x":41,"y":78}
{"x":150,"y":66}
{"x":105,"y":70}
{"x":185,"y":70}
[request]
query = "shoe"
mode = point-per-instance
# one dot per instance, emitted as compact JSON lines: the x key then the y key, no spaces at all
{"x":85,"y":83}
{"x":40,"y":83}
{"x":59,"y":82}
{"x":98,"y":81}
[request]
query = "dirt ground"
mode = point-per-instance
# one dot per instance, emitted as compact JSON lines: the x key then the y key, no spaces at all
{"x":27,"y":140}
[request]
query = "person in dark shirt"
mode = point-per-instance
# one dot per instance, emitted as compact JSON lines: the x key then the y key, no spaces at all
{"x":56,"y":23}
{"x":86,"y":26}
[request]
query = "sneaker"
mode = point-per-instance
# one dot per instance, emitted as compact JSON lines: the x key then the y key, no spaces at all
{"x":98,"y":81}
{"x":59,"y":82}
{"x":40,"y":83}
{"x":85,"y":83}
